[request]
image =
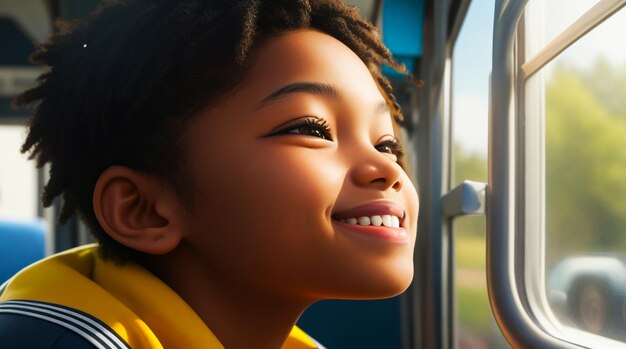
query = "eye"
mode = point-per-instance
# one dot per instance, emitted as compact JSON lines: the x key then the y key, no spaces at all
{"x":311,"y":126}
{"x":390,"y":146}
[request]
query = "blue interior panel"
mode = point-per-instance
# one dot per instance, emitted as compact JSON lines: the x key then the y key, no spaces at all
{"x":21,"y":243}
{"x":402,"y":27}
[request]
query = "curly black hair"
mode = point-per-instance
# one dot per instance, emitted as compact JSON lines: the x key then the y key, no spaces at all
{"x":145,"y":67}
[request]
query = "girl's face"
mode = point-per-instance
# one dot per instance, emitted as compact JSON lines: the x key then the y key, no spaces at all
{"x":284,"y":168}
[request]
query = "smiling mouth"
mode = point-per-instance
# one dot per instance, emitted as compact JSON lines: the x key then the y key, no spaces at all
{"x":377,"y":213}
{"x":390,"y":221}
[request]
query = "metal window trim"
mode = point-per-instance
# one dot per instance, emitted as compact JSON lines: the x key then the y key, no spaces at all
{"x":503,"y":240}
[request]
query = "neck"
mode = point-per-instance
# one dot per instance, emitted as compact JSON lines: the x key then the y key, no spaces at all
{"x":229,"y":308}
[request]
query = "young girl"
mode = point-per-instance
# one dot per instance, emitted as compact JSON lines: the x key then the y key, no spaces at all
{"x":236,"y":161}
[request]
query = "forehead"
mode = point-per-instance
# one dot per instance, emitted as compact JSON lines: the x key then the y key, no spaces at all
{"x":310,"y":56}
{"x":297,"y":58}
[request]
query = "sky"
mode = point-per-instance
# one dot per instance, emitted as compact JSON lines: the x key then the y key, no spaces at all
{"x":471,"y":62}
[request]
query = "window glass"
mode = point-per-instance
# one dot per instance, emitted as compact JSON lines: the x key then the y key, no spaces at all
{"x":583,"y":99}
{"x":471,"y":66}
{"x":18,"y":177}
{"x":20,"y":26}
{"x":561,"y":14}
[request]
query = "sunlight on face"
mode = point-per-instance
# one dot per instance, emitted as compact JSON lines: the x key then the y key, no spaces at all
{"x":290,"y":169}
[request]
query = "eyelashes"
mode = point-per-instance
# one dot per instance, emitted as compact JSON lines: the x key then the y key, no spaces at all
{"x":318,"y":127}
{"x":311,"y":126}
{"x":390,"y":146}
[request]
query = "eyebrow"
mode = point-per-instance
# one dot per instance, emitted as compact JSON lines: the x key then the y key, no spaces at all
{"x":316,"y":88}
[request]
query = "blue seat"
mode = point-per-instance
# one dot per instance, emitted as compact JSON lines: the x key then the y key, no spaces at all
{"x":21,"y":243}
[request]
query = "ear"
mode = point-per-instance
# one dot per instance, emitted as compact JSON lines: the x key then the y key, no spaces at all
{"x":138,"y":210}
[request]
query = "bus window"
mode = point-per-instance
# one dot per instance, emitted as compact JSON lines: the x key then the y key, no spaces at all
{"x":476,"y":327}
{"x":561,"y":13}
{"x":557,"y":166}
{"x":20,"y":27}
{"x":576,"y":208}
{"x":18,"y":177}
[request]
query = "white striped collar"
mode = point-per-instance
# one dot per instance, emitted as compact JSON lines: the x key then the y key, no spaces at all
{"x":83,"y":324}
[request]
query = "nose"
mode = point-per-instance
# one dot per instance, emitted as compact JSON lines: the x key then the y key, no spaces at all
{"x":376,"y":170}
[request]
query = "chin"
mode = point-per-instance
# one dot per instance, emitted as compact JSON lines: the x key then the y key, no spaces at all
{"x":380,"y":285}
{"x":394,"y":285}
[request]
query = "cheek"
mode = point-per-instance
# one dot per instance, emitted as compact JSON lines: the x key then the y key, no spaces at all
{"x":267,"y":208}
{"x":308,"y":170}
{"x":291,"y":184}
{"x":297,"y":192}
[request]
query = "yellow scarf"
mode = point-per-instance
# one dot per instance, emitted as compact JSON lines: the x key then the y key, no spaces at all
{"x":135,"y":304}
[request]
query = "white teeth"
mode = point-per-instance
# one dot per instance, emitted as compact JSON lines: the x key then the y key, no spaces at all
{"x":377,"y":221}
{"x":364,"y":220}
{"x":386,"y":220}
{"x":395,"y":222}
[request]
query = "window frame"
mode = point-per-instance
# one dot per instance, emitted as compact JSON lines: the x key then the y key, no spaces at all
{"x":516,"y":170}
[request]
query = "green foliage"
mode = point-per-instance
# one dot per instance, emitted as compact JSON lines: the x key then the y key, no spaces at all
{"x":585,"y":161}
{"x":471,"y":282}
{"x":607,"y":84}
{"x":473,"y":309}
{"x":473,"y":167}
{"x":468,"y":166}
{"x":470,"y":248}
